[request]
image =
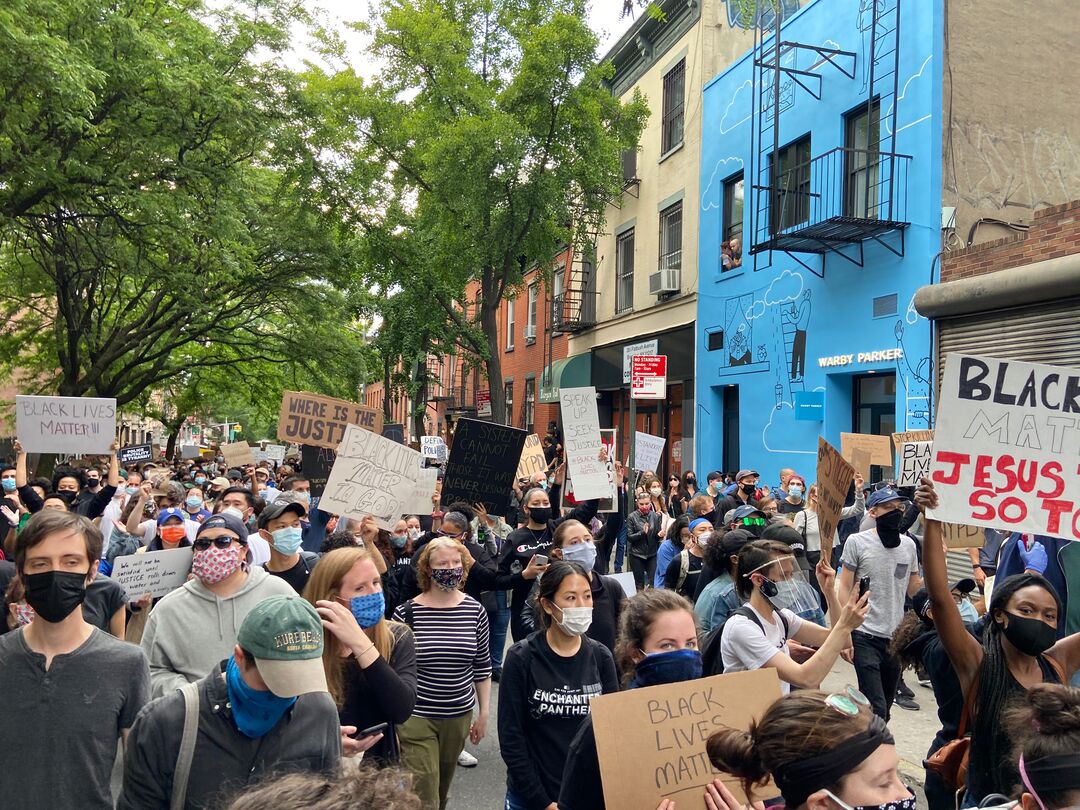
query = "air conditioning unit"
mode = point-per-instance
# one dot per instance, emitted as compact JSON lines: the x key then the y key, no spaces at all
{"x":530,"y":332}
{"x":664,"y":281}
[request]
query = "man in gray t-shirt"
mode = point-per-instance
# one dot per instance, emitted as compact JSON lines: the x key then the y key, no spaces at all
{"x":889,"y":560}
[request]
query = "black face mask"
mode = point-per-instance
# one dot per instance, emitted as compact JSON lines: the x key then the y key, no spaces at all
{"x":710,"y":516}
{"x":748,"y":489}
{"x":54,"y":594}
{"x":888,"y":528}
{"x":1030,"y":636}
{"x":540,"y":514}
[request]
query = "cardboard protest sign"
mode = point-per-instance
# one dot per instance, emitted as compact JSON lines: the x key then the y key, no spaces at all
{"x":912,"y":436}
{"x":959,"y":536}
{"x":648,"y":450}
{"x":75,"y":425}
{"x":433,"y":447}
{"x":581,"y":427}
{"x":237,"y":454}
{"x":532,"y":459}
{"x":879,"y":447}
{"x":419,"y":502}
{"x":860,"y":462}
{"x":190,"y":451}
{"x":153,"y":572}
{"x":834,"y":476}
{"x":275,"y":452}
{"x":316,"y":463}
{"x":651,"y":740}
{"x":371,"y":475}
{"x":307,"y":418}
{"x":135,"y":454}
{"x":912,"y":463}
{"x":1006,"y":444}
{"x":483,"y":464}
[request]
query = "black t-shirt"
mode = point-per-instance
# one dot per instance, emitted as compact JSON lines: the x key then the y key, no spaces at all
{"x":785,"y":507}
{"x":689,"y":585}
{"x":543,"y":699}
{"x":582,"y":788}
{"x":104,"y":597}
{"x":298,"y":575}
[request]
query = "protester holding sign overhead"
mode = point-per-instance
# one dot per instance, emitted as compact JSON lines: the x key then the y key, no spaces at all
{"x":807,"y":524}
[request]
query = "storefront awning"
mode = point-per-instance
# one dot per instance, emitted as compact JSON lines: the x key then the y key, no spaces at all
{"x":570,"y":372}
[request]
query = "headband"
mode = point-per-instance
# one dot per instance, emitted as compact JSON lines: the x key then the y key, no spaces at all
{"x":697,"y":522}
{"x":799,"y":779}
{"x":1053,"y":773}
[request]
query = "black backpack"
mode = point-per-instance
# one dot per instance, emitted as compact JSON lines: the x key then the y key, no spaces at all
{"x":712,"y":662}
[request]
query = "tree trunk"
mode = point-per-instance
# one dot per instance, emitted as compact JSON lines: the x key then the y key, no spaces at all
{"x":419,"y":400}
{"x":174,"y":433}
{"x":489,"y":323}
{"x":387,"y":402}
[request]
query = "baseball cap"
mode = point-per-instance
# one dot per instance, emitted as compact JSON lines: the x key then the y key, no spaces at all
{"x":715,"y":475}
{"x":965,"y":585}
{"x":734,"y":540}
{"x":171,"y":512}
{"x":280,"y":506}
{"x":284,"y":635}
{"x":921,"y":603}
{"x":234,"y":475}
{"x":220,"y":482}
{"x":746,"y":510}
{"x":883,"y":496}
{"x":741,"y":474}
{"x":224,"y":520}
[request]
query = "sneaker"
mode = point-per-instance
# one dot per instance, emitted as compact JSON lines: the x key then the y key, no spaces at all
{"x":903,"y":690}
{"x":923,"y":676}
{"x":905,"y":702}
{"x":467,"y":760}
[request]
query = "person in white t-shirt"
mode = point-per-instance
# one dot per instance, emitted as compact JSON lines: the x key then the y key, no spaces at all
{"x":757,"y":634}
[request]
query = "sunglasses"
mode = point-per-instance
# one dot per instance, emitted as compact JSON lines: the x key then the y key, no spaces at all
{"x":754,"y":521}
{"x":847,"y":702}
{"x":203,"y":543}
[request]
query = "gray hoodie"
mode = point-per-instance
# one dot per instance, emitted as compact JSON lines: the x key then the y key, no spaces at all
{"x":191,"y":630}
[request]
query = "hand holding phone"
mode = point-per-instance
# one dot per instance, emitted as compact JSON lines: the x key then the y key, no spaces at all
{"x":371,"y":732}
{"x":864,"y":586}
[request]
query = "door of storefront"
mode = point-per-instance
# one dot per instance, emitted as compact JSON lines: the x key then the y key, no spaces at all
{"x":873,"y":400}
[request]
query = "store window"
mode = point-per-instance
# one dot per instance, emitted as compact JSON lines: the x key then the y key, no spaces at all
{"x":731,"y":245}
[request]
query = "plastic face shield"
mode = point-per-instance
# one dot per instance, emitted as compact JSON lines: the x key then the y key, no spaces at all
{"x":793,"y":591}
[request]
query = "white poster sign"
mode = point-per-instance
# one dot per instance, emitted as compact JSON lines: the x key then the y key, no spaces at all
{"x":1006,"y":445}
{"x":433,"y":447}
{"x":648,"y":450}
{"x":629,"y":351}
{"x":153,"y":572}
{"x":74,"y":425}
{"x":372,"y":475}
{"x":582,"y":443}
{"x":419,"y":502}
{"x":626,"y":580}
{"x":275,"y":452}
{"x":912,"y":463}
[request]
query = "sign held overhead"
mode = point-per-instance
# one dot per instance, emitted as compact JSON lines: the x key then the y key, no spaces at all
{"x":482,"y":465}
{"x":74,"y":425}
{"x":307,"y":418}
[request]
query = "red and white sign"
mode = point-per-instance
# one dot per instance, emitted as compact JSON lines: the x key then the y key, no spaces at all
{"x":483,"y":402}
{"x":648,"y":376}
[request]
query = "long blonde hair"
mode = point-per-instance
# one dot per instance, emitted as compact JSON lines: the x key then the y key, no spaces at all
{"x":325,"y":583}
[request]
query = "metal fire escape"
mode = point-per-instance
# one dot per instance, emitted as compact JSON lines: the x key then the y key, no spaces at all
{"x":831,"y":202}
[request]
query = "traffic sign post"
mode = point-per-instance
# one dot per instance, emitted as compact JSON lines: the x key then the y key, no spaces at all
{"x":648,"y":376}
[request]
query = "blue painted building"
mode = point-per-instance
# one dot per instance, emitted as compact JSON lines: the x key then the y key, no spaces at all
{"x":821,"y":216}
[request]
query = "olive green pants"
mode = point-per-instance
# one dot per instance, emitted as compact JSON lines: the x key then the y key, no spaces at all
{"x":429,"y":749}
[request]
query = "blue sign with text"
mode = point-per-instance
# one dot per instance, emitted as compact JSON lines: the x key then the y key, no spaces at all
{"x":810,"y":406}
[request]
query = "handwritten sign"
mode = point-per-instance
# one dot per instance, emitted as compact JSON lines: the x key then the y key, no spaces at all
{"x":1006,"y":445}
{"x":312,"y":419}
{"x":581,"y":428}
{"x":153,"y":572}
{"x":879,"y":447}
{"x":190,"y":451}
{"x":957,"y":535}
{"x":135,"y":453}
{"x":316,"y":463}
{"x":482,"y":465}
{"x":237,"y":454}
{"x":372,"y":475}
{"x":610,"y":501}
{"x":651,"y":740}
{"x":912,"y":436}
{"x":834,"y":476}
{"x":912,"y":463}
{"x":648,"y":450}
{"x":75,"y":425}
{"x":532,"y":459}
{"x":433,"y":447}
{"x":419,"y":502}
{"x":860,"y":461}
{"x":275,"y":452}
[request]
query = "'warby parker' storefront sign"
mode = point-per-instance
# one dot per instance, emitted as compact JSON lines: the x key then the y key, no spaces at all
{"x":884,"y":356}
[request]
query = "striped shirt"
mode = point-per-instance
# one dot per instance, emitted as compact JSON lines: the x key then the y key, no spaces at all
{"x":452,"y":652}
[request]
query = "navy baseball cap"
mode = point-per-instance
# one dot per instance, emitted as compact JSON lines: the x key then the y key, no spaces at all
{"x":883,"y":496}
{"x":171,"y":512}
{"x":746,"y":510}
{"x":224,"y":520}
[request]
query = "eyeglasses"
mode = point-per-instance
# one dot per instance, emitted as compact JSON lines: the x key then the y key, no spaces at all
{"x":203,"y":543}
{"x":457,"y":536}
{"x":754,"y":521}
{"x":847,"y":702}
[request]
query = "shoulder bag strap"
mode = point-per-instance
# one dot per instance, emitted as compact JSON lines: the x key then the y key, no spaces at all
{"x":1058,"y":668}
{"x":190,"y":691}
{"x":969,"y":706}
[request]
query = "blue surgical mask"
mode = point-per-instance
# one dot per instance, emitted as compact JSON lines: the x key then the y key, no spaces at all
{"x":255,"y":711}
{"x":795,"y":492}
{"x":673,"y":666}
{"x":368,"y":608}
{"x":399,"y":540}
{"x":200,"y":480}
{"x":287,"y":540}
{"x":582,"y":553}
{"x":194,"y":503}
{"x":8,"y":484}
{"x":968,"y":612}
{"x":131,"y":491}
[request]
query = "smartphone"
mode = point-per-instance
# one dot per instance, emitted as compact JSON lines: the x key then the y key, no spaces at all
{"x":541,"y":559}
{"x":371,"y":732}
{"x":864,"y":586}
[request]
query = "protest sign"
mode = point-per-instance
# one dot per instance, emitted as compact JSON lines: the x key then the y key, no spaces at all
{"x":433,"y":447}
{"x":371,"y":475}
{"x":960,"y":536}
{"x":308,"y":418}
{"x":860,"y":462}
{"x":190,"y":451}
{"x":153,"y":572}
{"x":648,"y":450}
{"x":651,"y":740}
{"x":275,"y":452}
{"x":237,"y":454}
{"x":912,"y":463}
{"x":482,"y":465}
{"x":259,"y":455}
{"x":610,"y":501}
{"x":626,"y":582}
{"x":419,"y":502}
{"x":136,"y":453}
{"x":912,"y":436}
{"x":581,"y":427}
{"x":316,"y":463}
{"x":879,"y":447}
{"x":834,"y":477}
{"x":394,"y":431}
{"x":74,"y":425}
{"x":532,"y":459}
{"x":1006,"y":447}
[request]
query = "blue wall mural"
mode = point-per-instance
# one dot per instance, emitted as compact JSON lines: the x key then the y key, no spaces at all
{"x":787,"y":331}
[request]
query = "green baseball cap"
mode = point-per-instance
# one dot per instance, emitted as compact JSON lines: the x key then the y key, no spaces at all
{"x":285,"y":636}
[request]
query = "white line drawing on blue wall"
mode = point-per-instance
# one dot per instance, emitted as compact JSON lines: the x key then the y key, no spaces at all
{"x":710,"y":197}
{"x":919,"y":74}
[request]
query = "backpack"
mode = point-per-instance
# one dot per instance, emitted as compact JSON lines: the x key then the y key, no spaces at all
{"x":712,"y":661}
{"x":684,"y":569}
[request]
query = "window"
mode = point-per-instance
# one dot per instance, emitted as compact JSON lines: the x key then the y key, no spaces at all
{"x":624,"y":271}
{"x":862,"y":133}
{"x":885,"y":306}
{"x":791,"y":184}
{"x":530,"y":402}
{"x":510,"y":322}
{"x":672,"y":124}
{"x":558,"y":286}
{"x":671,"y":237}
{"x":731,"y":235}
{"x":629,"y":166}
{"x":508,"y":395}
{"x":530,"y":324}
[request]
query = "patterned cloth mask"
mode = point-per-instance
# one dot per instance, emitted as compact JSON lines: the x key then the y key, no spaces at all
{"x":215,"y":564}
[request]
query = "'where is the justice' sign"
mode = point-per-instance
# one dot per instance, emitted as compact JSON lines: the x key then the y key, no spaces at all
{"x":1006,"y":448}
{"x":75,"y":425}
{"x":307,"y":418}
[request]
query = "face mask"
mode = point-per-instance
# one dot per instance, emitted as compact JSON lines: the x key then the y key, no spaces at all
{"x":691,"y":480}
{"x":748,"y":489}
{"x":414,"y":534}
{"x":903,"y":804}
{"x":232,"y":510}
{"x":968,"y":613}
{"x":254,"y":710}
{"x":173,"y":534}
{"x":24,"y":614}
{"x":54,"y":594}
{"x":1029,"y":636}
{"x":540,"y":514}
{"x":583,"y":553}
{"x":131,"y":491}
{"x":786,"y":595}
{"x":795,"y":492}
{"x":93,"y":483}
{"x":200,"y":480}
{"x":667,"y":667}
{"x":448,"y":579}
{"x":8,"y":484}
{"x":194,"y":503}
{"x":703,"y":540}
{"x":368,"y":609}
{"x":888,"y":528}
{"x":303,"y":497}
{"x":287,"y":540}
{"x":399,"y":540}
{"x":655,"y":491}
{"x":575,"y":621}
{"x":215,"y":564}
{"x":645,"y":508}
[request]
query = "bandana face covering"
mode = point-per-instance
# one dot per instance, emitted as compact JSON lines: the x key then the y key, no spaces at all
{"x":673,"y":666}
{"x":903,"y":804}
{"x":255,"y":711}
{"x":215,"y":564}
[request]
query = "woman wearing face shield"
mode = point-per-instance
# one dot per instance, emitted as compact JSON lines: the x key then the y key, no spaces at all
{"x":757,"y":634}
